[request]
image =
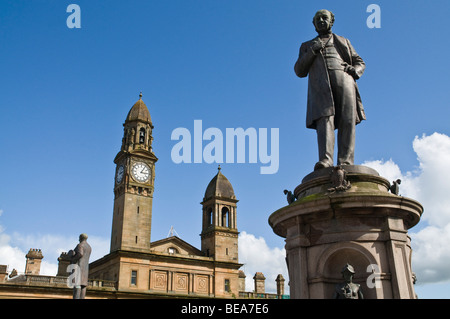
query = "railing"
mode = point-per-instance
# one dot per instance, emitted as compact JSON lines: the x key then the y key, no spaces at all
{"x":254,"y":295}
{"x":40,"y":280}
{"x":102,"y":283}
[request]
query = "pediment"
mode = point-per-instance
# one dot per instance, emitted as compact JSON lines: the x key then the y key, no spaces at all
{"x":174,"y":246}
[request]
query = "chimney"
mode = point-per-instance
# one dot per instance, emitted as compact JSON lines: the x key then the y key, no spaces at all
{"x":242,"y":280}
{"x":3,"y":273}
{"x":33,"y":265}
{"x":63,"y":263}
{"x":280,"y":286}
{"x":260,"y":280}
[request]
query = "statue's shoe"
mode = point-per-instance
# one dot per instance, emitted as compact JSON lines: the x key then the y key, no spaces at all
{"x":320,"y":165}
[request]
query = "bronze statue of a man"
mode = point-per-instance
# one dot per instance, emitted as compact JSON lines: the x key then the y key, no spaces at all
{"x":334,"y":102}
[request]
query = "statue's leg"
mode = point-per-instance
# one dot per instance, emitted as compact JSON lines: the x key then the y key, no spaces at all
{"x":345,"y":108}
{"x":325,"y":141}
{"x":83,"y":292}
{"x":76,"y":292}
{"x":346,"y":144}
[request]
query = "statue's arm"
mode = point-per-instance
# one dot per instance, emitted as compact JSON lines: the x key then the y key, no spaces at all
{"x":305,"y":59}
{"x":336,"y":294}
{"x":360,"y":294}
{"x":79,"y":252}
{"x":357,"y":61}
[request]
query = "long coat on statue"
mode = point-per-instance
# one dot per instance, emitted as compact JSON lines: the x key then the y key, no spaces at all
{"x":81,"y":258}
{"x":320,"y":96}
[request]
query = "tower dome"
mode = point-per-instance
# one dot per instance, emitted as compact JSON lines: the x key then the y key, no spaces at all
{"x":137,"y":129}
{"x":139,"y":112}
{"x":219,"y":186}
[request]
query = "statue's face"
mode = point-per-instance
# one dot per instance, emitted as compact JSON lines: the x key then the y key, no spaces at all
{"x":348,"y":276}
{"x":323,"y":22}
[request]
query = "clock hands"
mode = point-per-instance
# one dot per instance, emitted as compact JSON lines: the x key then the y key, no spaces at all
{"x":141,"y":172}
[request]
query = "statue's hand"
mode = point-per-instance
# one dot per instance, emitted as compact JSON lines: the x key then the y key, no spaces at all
{"x":317,"y":46}
{"x":350,"y":70}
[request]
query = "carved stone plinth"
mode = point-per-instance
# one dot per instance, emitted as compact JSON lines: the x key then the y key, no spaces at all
{"x":364,"y":225}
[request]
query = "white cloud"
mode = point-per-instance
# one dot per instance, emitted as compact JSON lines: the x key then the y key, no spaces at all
{"x":10,"y":255}
{"x":391,"y":171}
{"x":257,"y":256}
{"x":434,"y":182}
{"x":431,"y":255}
{"x":429,"y":185}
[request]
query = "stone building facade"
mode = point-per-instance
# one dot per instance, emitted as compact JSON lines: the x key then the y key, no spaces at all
{"x":135,"y":267}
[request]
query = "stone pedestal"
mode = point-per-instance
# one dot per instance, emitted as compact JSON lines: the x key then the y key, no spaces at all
{"x":365,"y":226}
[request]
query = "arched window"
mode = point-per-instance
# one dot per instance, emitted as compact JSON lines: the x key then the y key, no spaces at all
{"x":142,"y":136}
{"x":209,"y":215}
{"x":225,"y":217}
{"x":125,"y":136}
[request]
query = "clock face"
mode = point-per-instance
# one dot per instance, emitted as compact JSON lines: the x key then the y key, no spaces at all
{"x":119,"y":175}
{"x":140,"y":172}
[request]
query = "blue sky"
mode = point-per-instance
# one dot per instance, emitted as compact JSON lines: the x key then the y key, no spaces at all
{"x":65,"y":93}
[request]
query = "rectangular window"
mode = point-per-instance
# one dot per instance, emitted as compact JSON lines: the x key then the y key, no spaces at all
{"x":133,"y":277}
{"x":227,"y":285}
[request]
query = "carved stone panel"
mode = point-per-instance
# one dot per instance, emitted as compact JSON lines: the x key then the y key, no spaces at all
{"x":181,"y":282}
{"x":202,"y":284}
{"x":160,"y":280}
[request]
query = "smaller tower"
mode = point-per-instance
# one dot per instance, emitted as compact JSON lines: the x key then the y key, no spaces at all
{"x":34,"y":259}
{"x":219,"y":232}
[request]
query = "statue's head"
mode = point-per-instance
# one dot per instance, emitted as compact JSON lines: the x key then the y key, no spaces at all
{"x":323,"y":21}
{"x":347,"y":272}
{"x":83,"y":237}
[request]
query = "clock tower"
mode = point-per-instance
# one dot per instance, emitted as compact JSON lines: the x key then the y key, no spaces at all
{"x":134,"y":183}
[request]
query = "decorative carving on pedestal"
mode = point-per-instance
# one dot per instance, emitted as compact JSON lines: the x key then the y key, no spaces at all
{"x":289,"y":196}
{"x":339,"y":182}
